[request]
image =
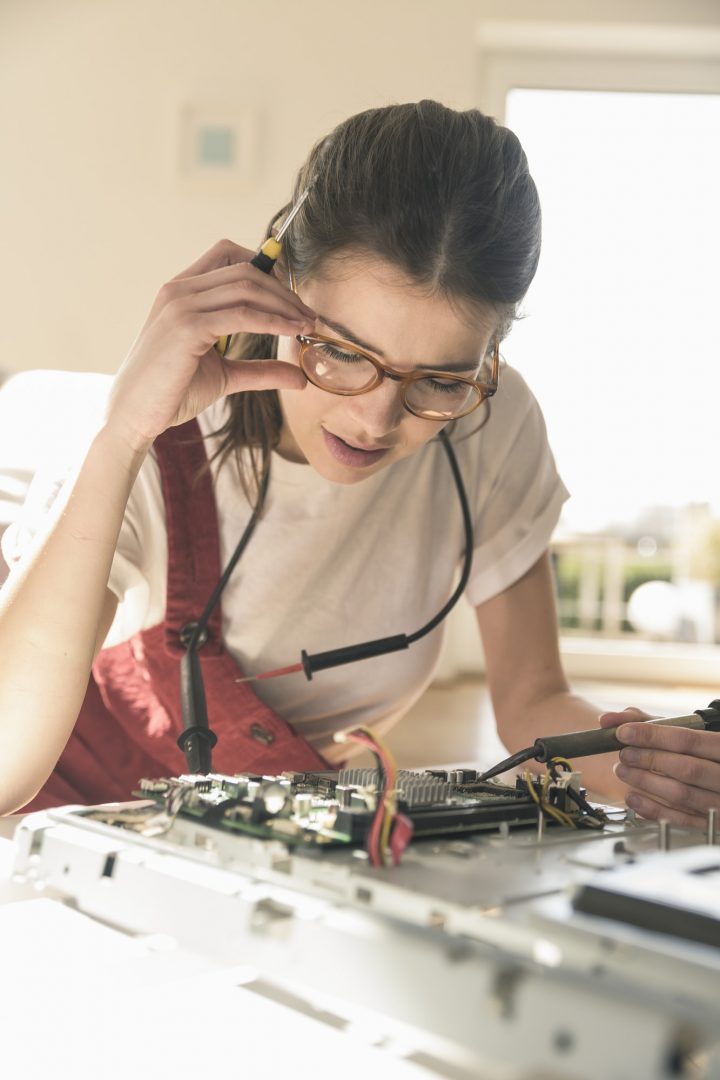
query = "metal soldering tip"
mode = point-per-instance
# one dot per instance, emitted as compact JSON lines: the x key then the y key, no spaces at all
{"x":509,"y":763}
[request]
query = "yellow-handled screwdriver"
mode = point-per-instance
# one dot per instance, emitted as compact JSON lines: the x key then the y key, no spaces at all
{"x":267,"y":256}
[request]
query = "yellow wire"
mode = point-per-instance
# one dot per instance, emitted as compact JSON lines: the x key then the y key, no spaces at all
{"x":561,"y":815}
{"x":390,"y":803}
{"x":558,"y":815}
{"x":376,"y":739}
{"x":528,"y":778}
{"x":385,"y":831}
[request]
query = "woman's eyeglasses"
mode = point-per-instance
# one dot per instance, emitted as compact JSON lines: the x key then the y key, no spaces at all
{"x":341,"y":368}
{"x":345,"y":369}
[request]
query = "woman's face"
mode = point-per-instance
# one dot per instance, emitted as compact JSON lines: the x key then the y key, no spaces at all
{"x":371,"y":303}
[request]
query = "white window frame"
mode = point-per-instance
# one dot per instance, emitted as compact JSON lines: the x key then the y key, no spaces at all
{"x":611,"y":57}
{"x":593,"y":56}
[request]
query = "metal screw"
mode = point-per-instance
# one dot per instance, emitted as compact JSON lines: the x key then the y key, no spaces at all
{"x":541,"y":826}
{"x":712,"y":826}
{"x":664,"y":834}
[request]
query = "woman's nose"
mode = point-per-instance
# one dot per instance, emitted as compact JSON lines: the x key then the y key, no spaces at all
{"x":380,"y":410}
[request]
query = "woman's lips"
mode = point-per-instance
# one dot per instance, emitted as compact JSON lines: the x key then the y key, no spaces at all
{"x":350,"y":455}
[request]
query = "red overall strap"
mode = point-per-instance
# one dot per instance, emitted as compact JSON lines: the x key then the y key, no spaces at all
{"x":130,"y":719}
{"x":251,"y":736}
{"x":192,"y":533}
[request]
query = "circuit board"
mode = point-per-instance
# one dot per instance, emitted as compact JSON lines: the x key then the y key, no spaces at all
{"x":337,"y":808}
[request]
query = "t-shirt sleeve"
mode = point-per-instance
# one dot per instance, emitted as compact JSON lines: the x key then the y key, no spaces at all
{"x":519,"y":493}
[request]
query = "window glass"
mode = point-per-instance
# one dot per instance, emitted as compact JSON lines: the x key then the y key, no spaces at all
{"x":620,"y":344}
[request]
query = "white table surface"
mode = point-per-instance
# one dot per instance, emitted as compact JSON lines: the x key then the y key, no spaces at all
{"x":84,"y":1001}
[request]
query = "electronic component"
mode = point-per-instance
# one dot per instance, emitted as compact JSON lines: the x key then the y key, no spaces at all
{"x":677,"y":896}
{"x":325,"y":809}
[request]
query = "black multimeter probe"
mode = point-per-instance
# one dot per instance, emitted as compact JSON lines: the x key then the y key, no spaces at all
{"x":600,"y":740}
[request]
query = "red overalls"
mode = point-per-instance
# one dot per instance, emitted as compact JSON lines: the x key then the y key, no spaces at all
{"x":130,"y":719}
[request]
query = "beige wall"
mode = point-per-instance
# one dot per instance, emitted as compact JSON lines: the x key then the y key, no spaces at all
{"x":95,"y":215}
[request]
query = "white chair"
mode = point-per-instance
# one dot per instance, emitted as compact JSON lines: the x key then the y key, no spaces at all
{"x":46,"y":420}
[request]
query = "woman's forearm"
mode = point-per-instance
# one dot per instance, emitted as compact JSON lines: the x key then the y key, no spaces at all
{"x":563,"y":712}
{"x":51,"y":609}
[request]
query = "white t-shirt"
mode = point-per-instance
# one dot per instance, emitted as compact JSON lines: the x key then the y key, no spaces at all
{"x":331,"y":565}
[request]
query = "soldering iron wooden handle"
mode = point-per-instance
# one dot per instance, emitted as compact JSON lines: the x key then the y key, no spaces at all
{"x":603,"y":740}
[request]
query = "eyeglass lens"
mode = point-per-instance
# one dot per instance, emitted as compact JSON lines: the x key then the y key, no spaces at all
{"x":336,"y":370}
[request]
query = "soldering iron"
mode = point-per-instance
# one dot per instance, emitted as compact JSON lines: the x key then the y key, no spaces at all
{"x":576,"y":744}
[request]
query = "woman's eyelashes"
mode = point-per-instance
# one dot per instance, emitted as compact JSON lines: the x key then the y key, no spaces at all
{"x":347,"y":357}
{"x":342,"y":355}
{"x":445,"y":386}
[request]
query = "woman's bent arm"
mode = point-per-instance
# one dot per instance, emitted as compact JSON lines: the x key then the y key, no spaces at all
{"x":530,"y":693}
{"x":54,"y":612}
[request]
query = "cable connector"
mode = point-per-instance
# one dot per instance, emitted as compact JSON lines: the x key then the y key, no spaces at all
{"x":335,"y":657}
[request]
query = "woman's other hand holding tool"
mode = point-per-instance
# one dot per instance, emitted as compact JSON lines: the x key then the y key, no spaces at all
{"x":672,"y":772}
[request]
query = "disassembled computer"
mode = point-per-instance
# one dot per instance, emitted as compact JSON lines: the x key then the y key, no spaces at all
{"x":492,"y":924}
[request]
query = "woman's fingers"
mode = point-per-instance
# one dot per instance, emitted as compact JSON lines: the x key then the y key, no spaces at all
{"x":246,"y":291}
{"x":222,"y":253}
{"x":670,"y":767}
{"x":655,"y":809}
{"x":674,"y":740}
{"x":241,"y":319}
{"x":614,"y":719}
{"x":684,"y":796}
{"x":696,"y":771}
{"x":263,"y":375}
{"x":173,"y":370}
{"x":241,"y":276}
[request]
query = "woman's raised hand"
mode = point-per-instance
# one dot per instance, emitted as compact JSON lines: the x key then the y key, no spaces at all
{"x":672,"y":772}
{"x":173,"y":371}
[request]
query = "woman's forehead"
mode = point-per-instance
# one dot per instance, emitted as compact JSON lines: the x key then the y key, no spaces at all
{"x":374,"y":304}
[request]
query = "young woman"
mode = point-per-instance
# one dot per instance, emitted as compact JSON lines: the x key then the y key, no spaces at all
{"x":378,"y":330}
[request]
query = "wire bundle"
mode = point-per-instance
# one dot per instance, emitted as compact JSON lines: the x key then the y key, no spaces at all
{"x":542,"y":798}
{"x":594,"y":818}
{"x":390,"y":832}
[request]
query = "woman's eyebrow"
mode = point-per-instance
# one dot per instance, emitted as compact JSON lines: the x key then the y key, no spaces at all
{"x":347,"y":335}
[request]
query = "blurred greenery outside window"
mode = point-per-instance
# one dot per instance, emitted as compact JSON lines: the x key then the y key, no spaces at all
{"x":619,"y":343}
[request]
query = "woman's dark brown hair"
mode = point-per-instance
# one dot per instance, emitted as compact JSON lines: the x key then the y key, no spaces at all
{"x":444,"y":196}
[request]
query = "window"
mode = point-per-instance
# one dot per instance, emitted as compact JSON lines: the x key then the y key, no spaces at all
{"x":620,"y":343}
{"x":621,"y":348}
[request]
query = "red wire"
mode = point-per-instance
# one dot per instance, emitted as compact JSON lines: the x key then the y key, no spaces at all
{"x":400,"y":836}
{"x":363,"y":740}
{"x":273,"y":674}
{"x":376,"y":855}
